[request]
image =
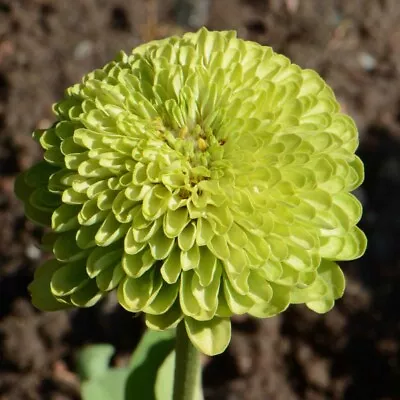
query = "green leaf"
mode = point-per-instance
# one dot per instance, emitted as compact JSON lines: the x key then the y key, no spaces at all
{"x":136,"y":381}
{"x":146,"y":360}
{"x":93,"y":361}
{"x":164,"y":386}
{"x":110,"y":386}
{"x":149,"y":340}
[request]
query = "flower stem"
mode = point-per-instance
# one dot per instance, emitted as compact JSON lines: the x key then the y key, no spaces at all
{"x":187,"y":377}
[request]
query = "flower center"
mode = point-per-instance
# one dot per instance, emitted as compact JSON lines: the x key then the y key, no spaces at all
{"x":192,"y":144}
{"x":197,"y":136}
{"x":188,"y":154}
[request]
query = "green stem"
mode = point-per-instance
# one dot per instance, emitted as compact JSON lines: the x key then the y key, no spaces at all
{"x":187,"y":377}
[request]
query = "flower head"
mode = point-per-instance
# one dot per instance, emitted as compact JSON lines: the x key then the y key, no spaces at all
{"x":201,"y":176}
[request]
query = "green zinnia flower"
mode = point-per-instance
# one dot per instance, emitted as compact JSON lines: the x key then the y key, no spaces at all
{"x":202,"y":176}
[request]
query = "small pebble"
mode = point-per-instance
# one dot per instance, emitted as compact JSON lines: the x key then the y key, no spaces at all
{"x":83,"y":49}
{"x":367,"y":61}
{"x":32,"y":252}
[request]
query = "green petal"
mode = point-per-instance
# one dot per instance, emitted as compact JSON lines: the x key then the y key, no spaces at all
{"x":223,"y":309}
{"x":239,"y":282}
{"x":85,"y":236}
{"x":143,"y":235}
{"x":135,"y":265}
{"x":21,"y":188}
{"x":138,"y":220}
{"x":103,"y":258}
{"x":39,"y":288}
{"x":289,"y":277}
{"x":260,"y":290}
{"x":155,"y":202}
{"x":355,"y":244}
{"x":319,"y":199}
{"x":37,"y":216}
{"x":237,"y":236}
{"x":39,"y":174}
{"x":171,"y":268}
{"x":54,"y":157}
{"x":66,"y":249}
{"x":204,"y":232}
{"x":356,"y":175}
{"x":164,"y":300}
{"x":87,"y":295}
{"x":64,"y":129}
{"x":123,"y":208}
{"x":207,"y":297}
{"x":69,"y":278}
{"x":110,"y":277}
{"x":131,"y":246}
{"x":237,"y":261}
{"x":350,"y":205}
{"x":190,"y":259}
{"x":334,"y":279}
{"x":315,"y":291}
{"x":187,"y":237}
{"x":223,"y":218}
{"x":299,"y":259}
{"x":271,"y":270}
{"x":208,"y":267}
{"x":321,"y":306}
{"x":160,"y":245}
{"x":70,"y":196}
{"x":238,"y":303}
{"x":306,"y":278}
{"x":279,"y":248}
{"x":136,"y":293}
{"x":210,"y":337}
{"x":168,"y":320}
{"x":219,"y":247}
{"x":90,"y":214}
{"x":97,"y":188}
{"x":175,"y":221}
{"x":64,"y":218}
{"x":279,"y":302}
{"x":110,"y":231}
{"x":44,"y":200}
{"x":188,"y":302}
{"x":48,"y":240}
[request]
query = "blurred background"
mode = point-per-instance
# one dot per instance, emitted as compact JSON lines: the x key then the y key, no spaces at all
{"x":353,"y":352}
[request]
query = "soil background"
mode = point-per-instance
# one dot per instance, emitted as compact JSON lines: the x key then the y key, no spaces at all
{"x":351,"y":353}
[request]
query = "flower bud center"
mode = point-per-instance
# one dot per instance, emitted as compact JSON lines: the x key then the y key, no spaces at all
{"x":197,"y":137}
{"x":192,"y":143}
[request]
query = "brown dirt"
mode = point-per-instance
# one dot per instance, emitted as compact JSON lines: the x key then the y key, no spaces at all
{"x":353,"y":352}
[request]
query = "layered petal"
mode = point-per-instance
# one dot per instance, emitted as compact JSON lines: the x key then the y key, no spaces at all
{"x":200,"y":177}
